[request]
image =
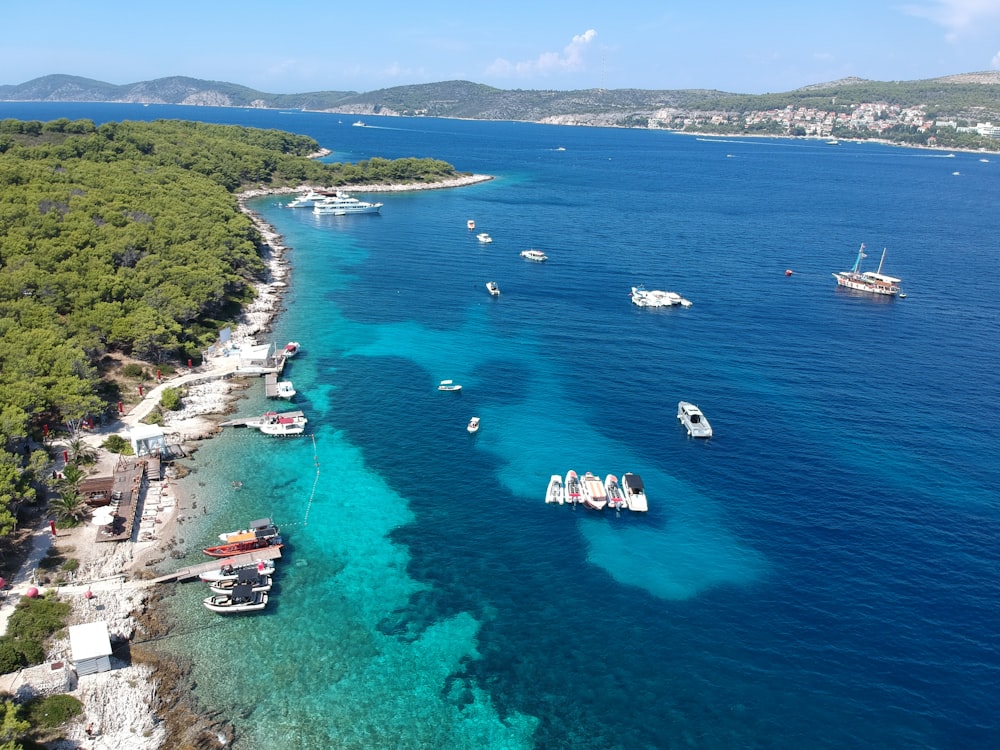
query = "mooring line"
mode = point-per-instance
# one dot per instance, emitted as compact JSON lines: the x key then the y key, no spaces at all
{"x":312,"y":495}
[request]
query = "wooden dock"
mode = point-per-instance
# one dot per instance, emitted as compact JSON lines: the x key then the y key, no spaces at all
{"x":271,"y":385}
{"x":247,"y":558}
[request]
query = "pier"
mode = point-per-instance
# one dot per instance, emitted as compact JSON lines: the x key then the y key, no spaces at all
{"x":237,"y":561}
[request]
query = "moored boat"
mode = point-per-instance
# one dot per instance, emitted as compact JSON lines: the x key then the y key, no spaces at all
{"x":536,"y":255}
{"x":284,"y":389}
{"x":594,"y":494}
{"x":642,"y":297}
{"x":246,"y":577}
{"x":449,"y":385}
{"x":635,"y":492}
{"x":290,"y":350}
{"x":278,"y":425}
{"x":493,"y":288}
{"x":240,"y":599}
{"x":616,"y":498}
{"x":264,"y":528}
{"x":306,"y":199}
{"x":248,"y":543}
{"x":874,"y":282}
{"x":554,"y":493}
{"x":572,"y":488}
{"x":473,"y":425}
{"x":692,"y":418}
{"x":229,"y":572}
{"x":342,"y":204}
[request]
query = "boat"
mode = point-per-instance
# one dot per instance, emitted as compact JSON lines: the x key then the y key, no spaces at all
{"x":275,"y":424}
{"x":635,"y":493}
{"x":641,"y":297}
{"x":536,"y":255}
{"x":284,"y":389}
{"x":240,"y":599}
{"x":616,"y":498}
{"x":572,"y":488}
{"x":692,"y":418}
{"x":248,"y":544}
{"x":246,"y":577}
{"x":594,"y":494}
{"x":228,"y":571}
{"x":555,"y":493}
{"x":874,"y":282}
{"x":290,"y":350}
{"x":493,"y":288}
{"x":470,"y":224}
{"x":263,"y":527}
{"x":341,"y":204}
{"x":449,"y":385}
{"x":473,"y":425}
{"x":359,"y":124}
{"x":483,"y":237}
{"x":307,"y":199}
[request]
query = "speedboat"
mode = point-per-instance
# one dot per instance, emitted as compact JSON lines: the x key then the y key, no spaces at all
{"x":342,"y":204}
{"x":240,"y":599}
{"x":229,"y":572}
{"x":246,"y":577}
{"x":470,"y":224}
{"x":692,"y":418}
{"x":594,"y":494}
{"x":290,"y":350}
{"x":307,"y":199}
{"x":536,"y":255}
{"x":483,"y":237}
{"x":572,"y":488}
{"x":284,"y":389}
{"x":473,"y":425}
{"x":616,"y":498}
{"x":248,"y":544}
{"x":279,"y":425}
{"x":635,"y":493}
{"x":359,"y":124}
{"x":449,"y":385}
{"x":493,"y":288}
{"x":875,"y":282}
{"x":262,"y":527}
{"x":554,"y":493}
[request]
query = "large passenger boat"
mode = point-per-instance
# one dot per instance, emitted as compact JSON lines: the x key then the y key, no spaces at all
{"x":874,"y":282}
{"x":342,"y":204}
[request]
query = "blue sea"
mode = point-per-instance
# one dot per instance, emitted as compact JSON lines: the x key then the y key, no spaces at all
{"x":822,"y":573}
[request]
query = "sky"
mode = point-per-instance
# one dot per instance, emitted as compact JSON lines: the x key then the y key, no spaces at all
{"x":297,"y":47}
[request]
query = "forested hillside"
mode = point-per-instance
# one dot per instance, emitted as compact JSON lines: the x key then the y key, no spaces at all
{"x":128,"y":238}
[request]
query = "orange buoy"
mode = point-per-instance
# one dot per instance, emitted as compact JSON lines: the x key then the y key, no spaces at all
{"x":788,"y":272}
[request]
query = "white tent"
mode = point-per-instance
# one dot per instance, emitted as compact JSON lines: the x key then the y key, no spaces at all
{"x":90,"y":645}
{"x":147,"y":439}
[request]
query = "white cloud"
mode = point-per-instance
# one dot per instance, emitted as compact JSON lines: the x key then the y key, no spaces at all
{"x":570,"y":59}
{"x":958,"y":17}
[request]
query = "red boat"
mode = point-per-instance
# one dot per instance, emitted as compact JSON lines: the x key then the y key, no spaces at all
{"x":248,"y":543}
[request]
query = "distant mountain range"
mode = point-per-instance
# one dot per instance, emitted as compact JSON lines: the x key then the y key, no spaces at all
{"x":970,"y":95}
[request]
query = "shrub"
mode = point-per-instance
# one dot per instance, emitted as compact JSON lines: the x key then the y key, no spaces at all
{"x":11,"y":657}
{"x":132,"y":370}
{"x":37,"y":619}
{"x":171,"y":399}
{"x":52,"y":710}
{"x":117,"y":444}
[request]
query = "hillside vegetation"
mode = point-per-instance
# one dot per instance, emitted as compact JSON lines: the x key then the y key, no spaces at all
{"x":127,"y":238}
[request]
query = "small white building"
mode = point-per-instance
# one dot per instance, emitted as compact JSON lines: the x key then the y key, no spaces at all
{"x":90,"y":646}
{"x":147,"y":440}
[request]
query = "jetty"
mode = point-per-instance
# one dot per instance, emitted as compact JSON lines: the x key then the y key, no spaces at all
{"x":237,"y":561}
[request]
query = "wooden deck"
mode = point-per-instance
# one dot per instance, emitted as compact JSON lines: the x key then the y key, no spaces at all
{"x":247,"y":558}
{"x":126,"y":491}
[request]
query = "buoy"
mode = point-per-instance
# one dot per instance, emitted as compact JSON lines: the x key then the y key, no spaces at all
{"x":31,"y":593}
{"x":788,"y":272}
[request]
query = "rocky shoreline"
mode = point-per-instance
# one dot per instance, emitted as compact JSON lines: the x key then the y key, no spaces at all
{"x":145,"y":702}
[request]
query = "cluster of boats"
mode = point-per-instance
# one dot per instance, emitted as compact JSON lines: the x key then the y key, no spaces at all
{"x":241,"y":587}
{"x":336,"y":203}
{"x":596,"y":493}
{"x":642,"y":297}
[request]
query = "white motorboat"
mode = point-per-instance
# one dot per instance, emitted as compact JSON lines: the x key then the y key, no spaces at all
{"x":692,"y":418}
{"x":229,"y":572}
{"x":471,"y":224}
{"x":473,"y":425}
{"x":641,"y":297}
{"x":284,"y":389}
{"x":246,"y":577}
{"x":555,"y":493}
{"x":616,"y":498}
{"x":290,"y":350}
{"x":342,"y":204}
{"x":449,"y":385}
{"x":275,"y":424}
{"x":874,"y":282}
{"x":307,"y":199}
{"x":484,"y":238}
{"x":594,"y":494}
{"x":359,"y":124}
{"x":635,"y":493}
{"x":536,"y":255}
{"x":262,"y":528}
{"x":493,"y":288}
{"x":572,"y":489}
{"x":240,"y":599}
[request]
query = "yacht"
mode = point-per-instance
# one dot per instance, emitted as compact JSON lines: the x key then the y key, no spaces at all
{"x":342,"y":204}
{"x":449,"y":385}
{"x":359,"y":124}
{"x":307,"y":199}
{"x":536,"y":255}
{"x":692,"y":418}
{"x":875,"y":282}
{"x":493,"y":288}
{"x":554,"y":493}
{"x":641,"y":297}
{"x":635,"y":493}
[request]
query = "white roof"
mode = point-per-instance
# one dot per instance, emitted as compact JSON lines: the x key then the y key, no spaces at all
{"x":89,"y":641}
{"x":145,"y":431}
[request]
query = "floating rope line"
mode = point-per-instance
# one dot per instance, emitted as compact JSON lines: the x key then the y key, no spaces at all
{"x":312,"y":495}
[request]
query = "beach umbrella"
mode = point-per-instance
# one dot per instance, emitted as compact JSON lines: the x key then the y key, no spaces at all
{"x":102,"y":519}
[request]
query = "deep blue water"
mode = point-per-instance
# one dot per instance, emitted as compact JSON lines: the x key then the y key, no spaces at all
{"x":820,"y":574}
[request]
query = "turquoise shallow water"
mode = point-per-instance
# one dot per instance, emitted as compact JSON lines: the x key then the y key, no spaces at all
{"x":822,"y":573}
